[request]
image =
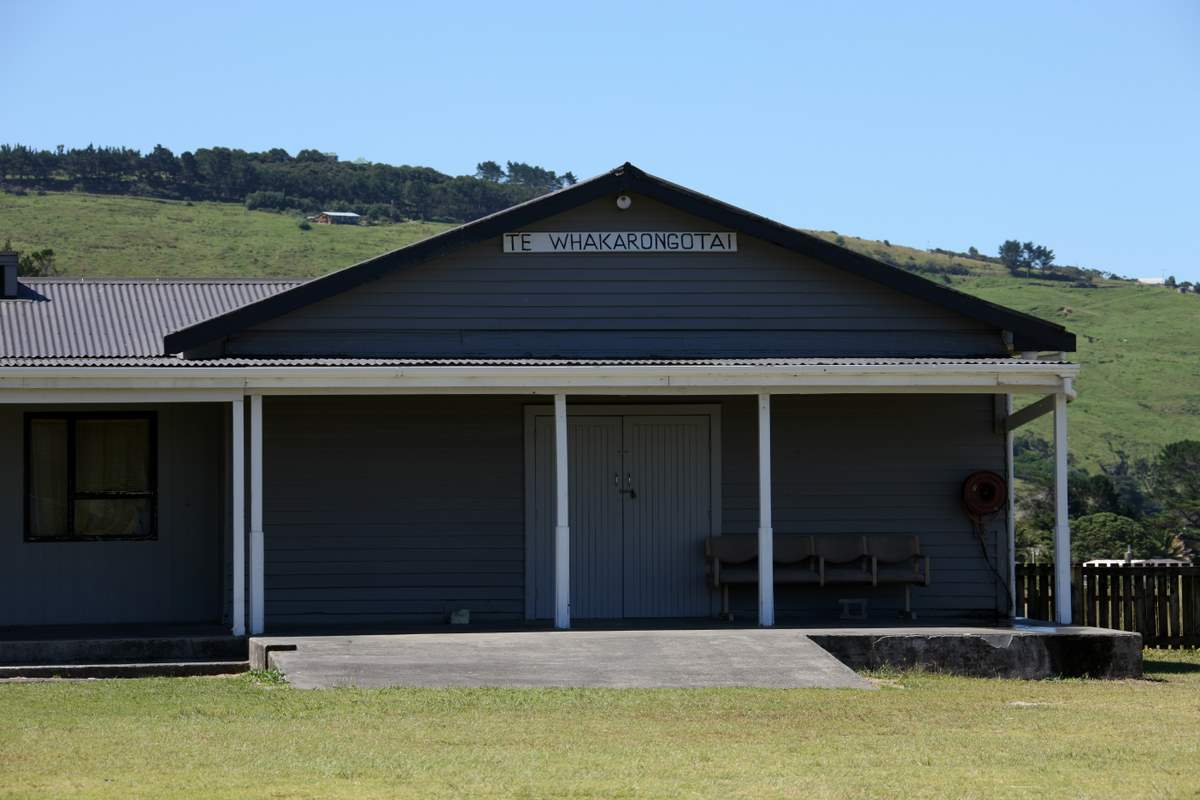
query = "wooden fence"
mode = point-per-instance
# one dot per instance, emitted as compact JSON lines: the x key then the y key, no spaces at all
{"x":1162,"y":603}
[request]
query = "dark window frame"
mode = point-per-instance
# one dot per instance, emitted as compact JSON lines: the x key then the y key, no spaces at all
{"x":71,"y":418}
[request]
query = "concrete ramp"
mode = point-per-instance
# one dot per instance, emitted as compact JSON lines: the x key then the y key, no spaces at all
{"x":775,"y":658}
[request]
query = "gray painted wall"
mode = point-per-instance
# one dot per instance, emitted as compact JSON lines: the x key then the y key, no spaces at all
{"x":397,"y":510}
{"x":761,"y":301}
{"x":393,"y":510}
{"x":177,"y":578}
{"x":883,"y":464}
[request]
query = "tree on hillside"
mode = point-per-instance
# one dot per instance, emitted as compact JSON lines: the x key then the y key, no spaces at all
{"x":490,"y":171}
{"x":159,"y":166}
{"x":1012,"y":255}
{"x":537,"y":178}
{"x":273,"y":179}
{"x":36,"y":264}
{"x":1025,"y":256}
{"x":1175,"y":483}
{"x":1038,"y":256}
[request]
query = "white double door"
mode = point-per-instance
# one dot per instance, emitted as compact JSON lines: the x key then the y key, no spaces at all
{"x":640,"y":508}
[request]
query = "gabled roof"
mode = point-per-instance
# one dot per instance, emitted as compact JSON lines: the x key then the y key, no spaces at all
{"x":1029,"y":332}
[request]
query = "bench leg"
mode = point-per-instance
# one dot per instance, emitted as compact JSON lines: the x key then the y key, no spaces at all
{"x":725,"y":602}
{"x":907,"y":613}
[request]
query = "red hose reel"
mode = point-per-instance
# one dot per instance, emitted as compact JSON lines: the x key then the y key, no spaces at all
{"x":984,"y":493}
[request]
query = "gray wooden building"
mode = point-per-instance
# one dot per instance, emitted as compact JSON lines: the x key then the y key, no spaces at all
{"x":552,"y":413}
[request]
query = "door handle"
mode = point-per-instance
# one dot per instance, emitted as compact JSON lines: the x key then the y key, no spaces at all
{"x":629,"y":490}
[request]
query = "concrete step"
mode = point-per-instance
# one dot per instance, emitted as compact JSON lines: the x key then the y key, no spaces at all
{"x":122,"y":650}
{"x":147,"y":669}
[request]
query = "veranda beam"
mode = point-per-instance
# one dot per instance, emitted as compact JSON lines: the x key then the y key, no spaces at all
{"x":1029,"y":413}
{"x":1062,"y":525}
{"x":766,"y":533}
{"x":562,"y":530}
{"x":257,"y":594}
{"x":237,"y":474}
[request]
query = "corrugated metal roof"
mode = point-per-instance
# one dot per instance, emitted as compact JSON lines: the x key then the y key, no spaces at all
{"x":59,"y":322}
{"x":58,"y":317}
{"x":716,"y":363}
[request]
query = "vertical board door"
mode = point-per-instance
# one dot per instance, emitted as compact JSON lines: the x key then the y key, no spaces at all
{"x":594,"y":451}
{"x":640,"y":496}
{"x":667,"y":516}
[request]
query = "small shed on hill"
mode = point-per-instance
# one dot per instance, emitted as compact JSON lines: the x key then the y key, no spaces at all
{"x":338,"y":218}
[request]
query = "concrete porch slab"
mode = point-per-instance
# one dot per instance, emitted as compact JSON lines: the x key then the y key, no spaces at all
{"x":776,"y":658}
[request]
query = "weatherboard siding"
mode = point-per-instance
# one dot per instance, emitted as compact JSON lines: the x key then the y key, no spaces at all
{"x":762,"y":300}
{"x":398,"y":510}
{"x":393,"y":510}
{"x":176,"y":578}
{"x":874,"y":464}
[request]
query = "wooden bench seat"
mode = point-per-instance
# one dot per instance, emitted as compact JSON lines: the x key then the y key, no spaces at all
{"x":822,"y":560}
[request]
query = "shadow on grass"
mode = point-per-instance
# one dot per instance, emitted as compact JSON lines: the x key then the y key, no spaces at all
{"x":1158,"y":667}
{"x":1162,"y":664}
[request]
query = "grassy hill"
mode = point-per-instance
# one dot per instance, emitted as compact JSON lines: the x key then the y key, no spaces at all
{"x":1139,"y":345}
{"x":111,"y":235}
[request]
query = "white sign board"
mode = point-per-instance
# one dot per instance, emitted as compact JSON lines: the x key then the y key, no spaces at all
{"x":621,"y":242}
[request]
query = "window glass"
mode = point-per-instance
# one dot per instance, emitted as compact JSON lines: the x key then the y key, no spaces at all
{"x":126,"y":516}
{"x":110,"y":455}
{"x":90,"y":477}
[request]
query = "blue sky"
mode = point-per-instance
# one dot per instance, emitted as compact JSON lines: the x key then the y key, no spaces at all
{"x":1076,"y":125}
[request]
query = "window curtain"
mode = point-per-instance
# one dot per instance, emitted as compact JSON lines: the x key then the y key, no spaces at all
{"x":111,"y":457}
{"x":48,"y":478}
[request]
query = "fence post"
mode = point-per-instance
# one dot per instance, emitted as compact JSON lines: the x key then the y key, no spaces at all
{"x":1078,"y":602}
{"x":1146,"y":611}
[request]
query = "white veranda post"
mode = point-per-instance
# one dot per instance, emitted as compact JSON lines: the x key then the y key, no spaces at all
{"x":766,"y":541}
{"x":1062,"y":525}
{"x":562,"y":531}
{"x":237,"y":477}
{"x":257,"y":598}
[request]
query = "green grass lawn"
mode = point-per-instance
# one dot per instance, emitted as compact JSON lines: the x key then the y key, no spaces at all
{"x":918,"y":736}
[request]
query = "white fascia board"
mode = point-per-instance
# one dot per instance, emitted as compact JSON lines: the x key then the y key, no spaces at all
{"x":221,"y":382}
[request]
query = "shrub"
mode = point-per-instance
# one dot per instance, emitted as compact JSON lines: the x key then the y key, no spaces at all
{"x":1108,"y":535}
{"x":304,"y":226}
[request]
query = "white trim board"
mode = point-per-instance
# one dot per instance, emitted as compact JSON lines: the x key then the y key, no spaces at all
{"x":221,"y":386}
